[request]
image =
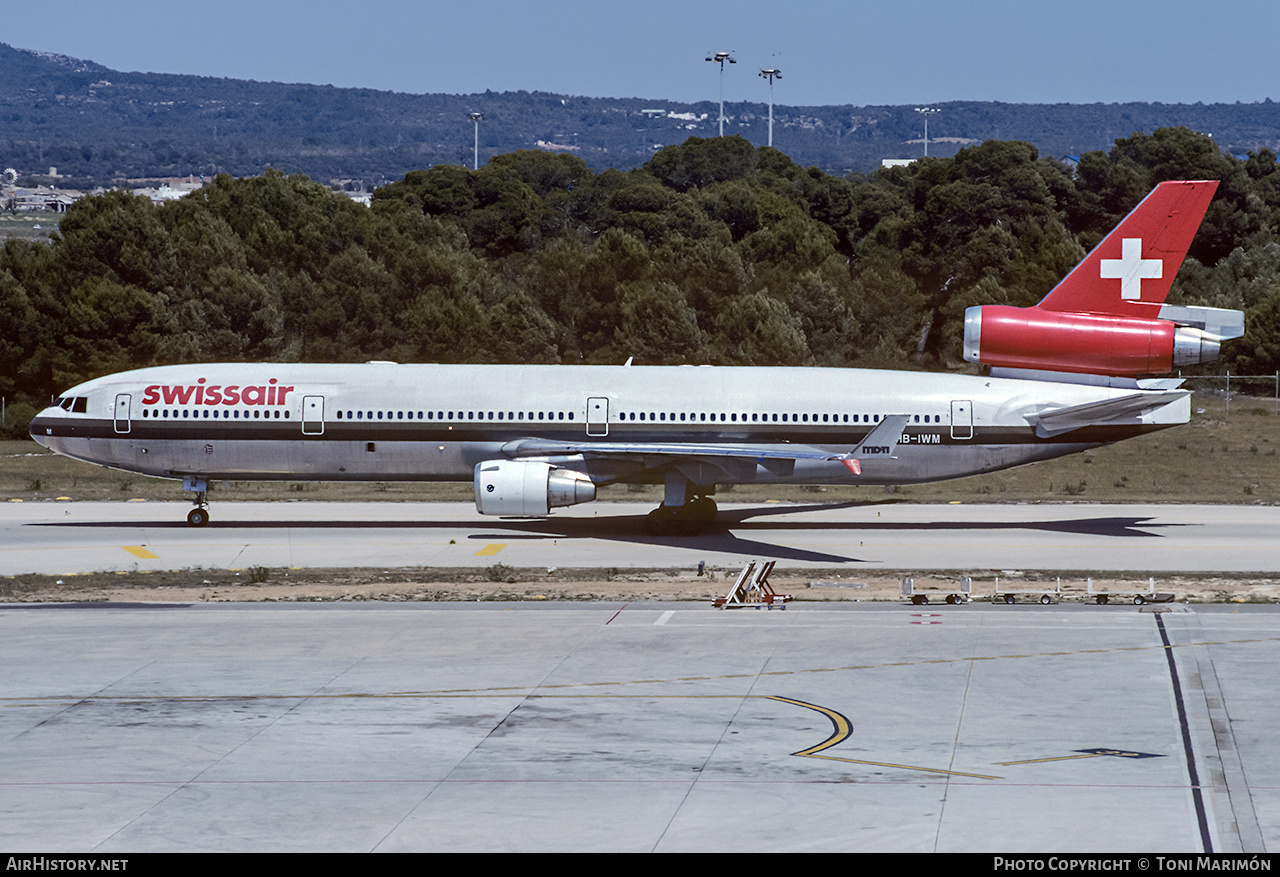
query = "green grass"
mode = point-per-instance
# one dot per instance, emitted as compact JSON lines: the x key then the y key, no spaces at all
{"x":22,"y":226}
{"x":1227,"y":454}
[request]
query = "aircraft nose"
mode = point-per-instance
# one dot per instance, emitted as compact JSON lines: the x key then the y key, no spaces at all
{"x":39,"y":428}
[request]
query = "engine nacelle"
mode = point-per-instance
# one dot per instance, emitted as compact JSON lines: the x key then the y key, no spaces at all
{"x":528,"y":487}
{"x":1099,"y":344}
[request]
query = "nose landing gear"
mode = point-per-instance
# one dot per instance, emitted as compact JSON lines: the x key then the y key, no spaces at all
{"x":198,"y":516}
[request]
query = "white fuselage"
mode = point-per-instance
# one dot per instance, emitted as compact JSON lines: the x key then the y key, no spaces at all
{"x":383,"y":421}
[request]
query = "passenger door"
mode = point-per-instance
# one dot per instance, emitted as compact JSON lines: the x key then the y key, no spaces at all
{"x":122,"y":417}
{"x":313,"y":415}
{"x":597,"y":415}
{"x":961,"y":419}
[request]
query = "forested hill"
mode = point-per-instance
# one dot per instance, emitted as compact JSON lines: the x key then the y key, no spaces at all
{"x":96,"y":125}
{"x":716,"y":251}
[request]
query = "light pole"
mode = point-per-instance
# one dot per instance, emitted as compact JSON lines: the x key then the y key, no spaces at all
{"x":720,"y":58}
{"x":927,"y":112}
{"x":476,"y":117}
{"x":771,"y":74}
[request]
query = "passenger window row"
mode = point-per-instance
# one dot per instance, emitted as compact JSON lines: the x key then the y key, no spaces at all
{"x":685,"y":417}
{"x":703,"y":417}
{"x":461,"y":416}
{"x":531,"y":416}
{"x":215,"y":413}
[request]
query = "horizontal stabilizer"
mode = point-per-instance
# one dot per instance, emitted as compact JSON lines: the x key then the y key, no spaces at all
{"x":1217,"y":323}
{"x":1119,"y":383}
{"x":1062,"y":420}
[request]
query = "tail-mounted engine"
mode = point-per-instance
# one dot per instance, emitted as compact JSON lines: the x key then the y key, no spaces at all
{"x":528,"y":487}
{"x":1099,"y":344}
{"x":1107,"y":316}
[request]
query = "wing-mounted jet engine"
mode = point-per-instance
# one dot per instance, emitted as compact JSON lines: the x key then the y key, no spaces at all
{"x":528,"y":487}
{"x":1108,"y":317}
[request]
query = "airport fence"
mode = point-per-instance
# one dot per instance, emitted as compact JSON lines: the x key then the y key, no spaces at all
{"x":1228,"y":386}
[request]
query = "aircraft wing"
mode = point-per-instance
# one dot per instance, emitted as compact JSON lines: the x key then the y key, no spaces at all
{"x":881,"y":442}
{"x":1056,"y":421}
{"x":700,"y":463}
{"x":545,"y":448}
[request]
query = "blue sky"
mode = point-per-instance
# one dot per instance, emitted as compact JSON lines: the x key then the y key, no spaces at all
{"x":830,"y":51}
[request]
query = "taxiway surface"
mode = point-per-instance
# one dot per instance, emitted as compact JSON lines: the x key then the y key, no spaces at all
{"x":656,"y":727}
{"x":60,"y":538}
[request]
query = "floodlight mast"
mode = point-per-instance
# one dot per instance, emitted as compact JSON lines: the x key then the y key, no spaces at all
{"x":771,"y":74}
{"x":927,"y":112}
{"x":720,"y":58}
{"x":475,"y":118}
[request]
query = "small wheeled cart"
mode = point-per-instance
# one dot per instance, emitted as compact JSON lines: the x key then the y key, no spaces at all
{"x":1136,"y":597}
{"x":1028,"y":595}
{"x":964,"y":595}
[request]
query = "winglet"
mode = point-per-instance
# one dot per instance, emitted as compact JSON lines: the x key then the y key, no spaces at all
{"x":881,"y":443}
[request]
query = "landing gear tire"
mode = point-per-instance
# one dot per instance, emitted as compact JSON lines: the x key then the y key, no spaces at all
{"x":1138,"y":600}
{"x":198,"y":517}
{"x":659,"y":522}
{"x":687,"y":520}
{"x":702,"y":509}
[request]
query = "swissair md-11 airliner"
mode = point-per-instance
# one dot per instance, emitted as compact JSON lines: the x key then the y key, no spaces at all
{"x":1071,"y":373}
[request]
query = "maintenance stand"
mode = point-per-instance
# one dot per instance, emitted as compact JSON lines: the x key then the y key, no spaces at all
{"x":752,"y":588}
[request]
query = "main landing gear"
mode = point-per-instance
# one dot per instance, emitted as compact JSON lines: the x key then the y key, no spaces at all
{"x":684,"y":520}
{"x":683,"y":512}
{"x":198,"y":516}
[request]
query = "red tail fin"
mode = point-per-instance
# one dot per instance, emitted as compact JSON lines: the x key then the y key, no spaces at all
{"x":1106,"y":317}
{"x":1139,"y":259}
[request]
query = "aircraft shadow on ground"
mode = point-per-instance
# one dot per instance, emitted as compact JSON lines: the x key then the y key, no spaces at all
{"x":728,"y":534}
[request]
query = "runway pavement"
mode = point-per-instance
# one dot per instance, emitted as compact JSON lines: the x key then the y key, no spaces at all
{"x":665,"y":727}
{"x":644,"y":727}
{"x":73,"y":537}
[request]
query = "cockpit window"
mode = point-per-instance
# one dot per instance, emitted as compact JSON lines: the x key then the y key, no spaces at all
{"x":81,"y":405}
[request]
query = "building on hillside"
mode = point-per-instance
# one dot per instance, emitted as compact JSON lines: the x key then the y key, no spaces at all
{"x":41,"y":198}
